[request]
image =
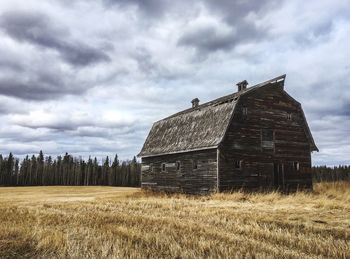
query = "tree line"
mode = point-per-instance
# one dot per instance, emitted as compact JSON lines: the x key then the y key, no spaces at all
{"x":67,"y":170}
{"x":331,"y":174}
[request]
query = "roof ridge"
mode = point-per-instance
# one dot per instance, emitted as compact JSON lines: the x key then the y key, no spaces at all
{"x":203,"y":105}
{"x":196,"y":128}
{"x":223,"y":98}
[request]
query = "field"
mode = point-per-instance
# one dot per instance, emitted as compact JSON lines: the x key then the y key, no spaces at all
{"x":112,"y":222}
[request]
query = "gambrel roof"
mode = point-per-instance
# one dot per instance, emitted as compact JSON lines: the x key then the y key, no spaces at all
{"x":197,"y":128}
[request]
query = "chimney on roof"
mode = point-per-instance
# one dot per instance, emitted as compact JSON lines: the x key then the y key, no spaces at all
{"x":195,"y":102}
{"x":242,"y":85}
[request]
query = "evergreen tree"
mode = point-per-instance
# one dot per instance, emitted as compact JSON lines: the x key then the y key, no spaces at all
{"x":2,"y":170}
{"x":42,"y":170}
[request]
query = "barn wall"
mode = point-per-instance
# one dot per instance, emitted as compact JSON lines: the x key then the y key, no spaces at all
{"x":267,"y":108}
{"x":186,"y":179}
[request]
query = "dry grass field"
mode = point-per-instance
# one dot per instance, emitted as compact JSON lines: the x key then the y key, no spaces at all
{"x":111,"y":222}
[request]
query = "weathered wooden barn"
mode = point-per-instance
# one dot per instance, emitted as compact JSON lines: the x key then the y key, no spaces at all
{"x":255,"y":138}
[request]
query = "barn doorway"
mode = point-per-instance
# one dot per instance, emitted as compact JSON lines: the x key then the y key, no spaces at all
{"x":278,"y":176}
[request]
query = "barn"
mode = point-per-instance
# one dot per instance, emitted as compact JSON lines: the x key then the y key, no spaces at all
{"x":256,"y":138}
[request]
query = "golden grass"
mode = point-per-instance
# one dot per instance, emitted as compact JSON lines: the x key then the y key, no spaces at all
{"x":112,"y":222}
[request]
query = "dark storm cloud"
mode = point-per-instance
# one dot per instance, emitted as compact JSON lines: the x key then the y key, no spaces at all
{"x":340,"y":107}
{"x":149,"y":7}
{"x":26,"y":136}
{"x":234,"y":15}
{"x":235,"y":10}
{"x":327,"y":97}
{"x":34,"y":74}
{"x":66,"y":125}
{"x":38,"y":29}
{"x":122,"y":131}
{"x":316,"y":34}
{"x":144,"y":61}
{"x":62,"y":123}
{"x":322,"y":29}
{"x":207,"y":39}
{"x":10,"y":64}
{"x":38,"y":85}
{"x":346,"y":109}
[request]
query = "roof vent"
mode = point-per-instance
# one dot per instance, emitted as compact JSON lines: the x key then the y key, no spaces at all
{"x":195,"y":102}
{"x":242,"y":85}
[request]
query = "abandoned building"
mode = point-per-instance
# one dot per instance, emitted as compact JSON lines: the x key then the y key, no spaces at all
{"x":255,"y":138}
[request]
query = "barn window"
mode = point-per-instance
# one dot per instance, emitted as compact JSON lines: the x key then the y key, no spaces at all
{"x":296,"y":166}
{"x":245,"y":111}
{"x":267,"y":139}
{"x":237,"y":164}
{"x":163,"y":167}
{"x":195,"y":164}
{"x":145,"y":167}
{"x":178,"y":165}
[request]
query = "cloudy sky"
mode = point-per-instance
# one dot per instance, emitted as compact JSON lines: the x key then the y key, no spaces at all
{"x":89,"y":77}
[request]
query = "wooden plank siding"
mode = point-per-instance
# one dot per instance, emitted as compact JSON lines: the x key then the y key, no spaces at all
{"x":256,"y":138}
{"x":186,"y":179}
{"x":272,"y":109}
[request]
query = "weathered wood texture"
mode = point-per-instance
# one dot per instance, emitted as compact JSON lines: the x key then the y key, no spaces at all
{"x":200,"y":127}
{"x":256,"y":138}
{"x":269,"y":108}
{"x":183,"y":178}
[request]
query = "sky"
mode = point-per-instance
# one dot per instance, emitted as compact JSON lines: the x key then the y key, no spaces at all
{"x":90,"y":77}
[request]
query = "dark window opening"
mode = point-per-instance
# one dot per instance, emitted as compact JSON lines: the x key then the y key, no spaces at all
{"x":237,"y":164}
{"x":195,"y":164}
{"x":296,"y":166}
{"x":267,"y":139}
{"x":267,"y":135}
{"x":178,"y":165}
{"x":289,"y":116}
{"x":163,"y":167}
